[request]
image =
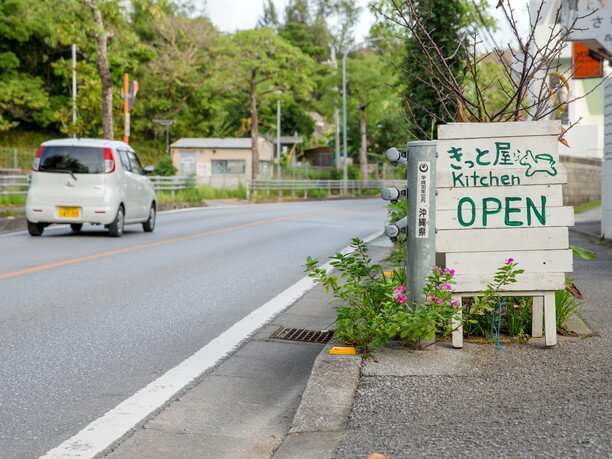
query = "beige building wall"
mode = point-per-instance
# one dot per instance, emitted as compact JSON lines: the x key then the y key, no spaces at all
{"x":200,"y":161}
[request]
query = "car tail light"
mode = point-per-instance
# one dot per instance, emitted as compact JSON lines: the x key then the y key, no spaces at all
{"x":36,"y":163}
{"x":109,"y":161}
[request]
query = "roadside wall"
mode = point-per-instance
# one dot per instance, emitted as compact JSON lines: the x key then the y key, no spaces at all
{"x":583,"y":180}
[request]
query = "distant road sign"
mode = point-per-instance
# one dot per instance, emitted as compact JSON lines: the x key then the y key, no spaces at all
{"x":585,"y":65}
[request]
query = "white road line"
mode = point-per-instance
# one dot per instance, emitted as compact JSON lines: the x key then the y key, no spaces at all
{"x":106,"y":430}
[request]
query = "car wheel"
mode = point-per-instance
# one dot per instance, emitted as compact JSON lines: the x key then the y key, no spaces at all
{"x":149,"y":225}
{"x":35,"y":229}
{"x":115,"y":229}
{"x":76,"y":227}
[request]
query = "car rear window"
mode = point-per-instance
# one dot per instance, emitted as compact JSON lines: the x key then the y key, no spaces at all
{"x":80,"y":160}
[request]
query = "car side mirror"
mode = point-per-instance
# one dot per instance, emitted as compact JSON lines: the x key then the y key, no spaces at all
{"x":149,"y":169}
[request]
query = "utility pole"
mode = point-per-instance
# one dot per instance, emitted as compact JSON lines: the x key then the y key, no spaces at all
{"x":128,"y":96}
{"x":337,"y":121}
{"x":166,"y":124}
{"x":74,"y":86}
{"x":278,"y":140}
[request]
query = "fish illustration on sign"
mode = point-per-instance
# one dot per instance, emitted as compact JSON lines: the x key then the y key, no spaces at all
{"x":542,"y":162}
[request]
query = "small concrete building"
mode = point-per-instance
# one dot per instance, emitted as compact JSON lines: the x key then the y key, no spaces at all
{"x":221,"y":163}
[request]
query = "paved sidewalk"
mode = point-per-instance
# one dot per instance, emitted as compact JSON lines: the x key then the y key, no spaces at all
{"x":243,"y":407}
{"x":523,"y":401}
{"x":589,"y":222}
{"x":246,"y":407}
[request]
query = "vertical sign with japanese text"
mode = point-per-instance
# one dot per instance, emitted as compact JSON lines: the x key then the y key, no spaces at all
{"x":422,"y":214}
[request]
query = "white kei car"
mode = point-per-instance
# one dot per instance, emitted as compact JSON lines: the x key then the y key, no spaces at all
{"x":77,"y":181}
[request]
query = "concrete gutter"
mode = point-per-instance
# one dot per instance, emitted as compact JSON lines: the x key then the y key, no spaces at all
{"x":319,"y":424}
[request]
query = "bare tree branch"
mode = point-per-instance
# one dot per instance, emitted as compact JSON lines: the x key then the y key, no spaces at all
{"x":528,"y":76}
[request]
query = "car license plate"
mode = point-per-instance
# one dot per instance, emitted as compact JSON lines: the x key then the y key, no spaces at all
{"x":69,"y":212}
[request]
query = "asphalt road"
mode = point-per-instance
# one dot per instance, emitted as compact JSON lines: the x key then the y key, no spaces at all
{"x":87,"y":320}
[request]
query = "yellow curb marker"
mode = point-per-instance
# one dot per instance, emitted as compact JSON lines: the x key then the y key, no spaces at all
{"x":343,"y":351}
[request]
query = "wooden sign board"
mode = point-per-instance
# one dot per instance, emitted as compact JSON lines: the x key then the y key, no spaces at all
{"x":499,"y":196}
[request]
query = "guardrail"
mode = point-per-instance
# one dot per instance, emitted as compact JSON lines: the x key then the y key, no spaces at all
{"x":14,"y":184}
{"x":172,"y":183}
{"x":330,"y":186}
{"x":18,"y":184}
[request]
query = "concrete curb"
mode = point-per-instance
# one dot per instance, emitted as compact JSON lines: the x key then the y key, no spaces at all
{"x":9,"y":225}
{"x":319,"y":424}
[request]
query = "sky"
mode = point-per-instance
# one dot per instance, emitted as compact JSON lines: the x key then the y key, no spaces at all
{"x":230,"y":15}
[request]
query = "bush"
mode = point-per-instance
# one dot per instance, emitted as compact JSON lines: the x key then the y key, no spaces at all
{"x":375,"y":309}
{"x":165,"y":168}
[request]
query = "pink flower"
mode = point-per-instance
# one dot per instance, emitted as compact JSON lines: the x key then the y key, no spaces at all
{"x":438,"y":269}
{"x":454,"y":303}
{"x":449,"y":271}
{"x":401,"y":298}
{"x":446,"y":286}
{"x":434,"y":299}
{"x":509,"y":260}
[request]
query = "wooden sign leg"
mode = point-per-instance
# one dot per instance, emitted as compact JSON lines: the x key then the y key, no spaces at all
{"x":550,"y":319}
{"x":457,"y":335}
{"x":536,"y":313}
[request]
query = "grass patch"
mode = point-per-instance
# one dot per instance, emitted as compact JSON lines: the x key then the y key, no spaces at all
{"x":10,"y":213}
{"x":13,"y":200}
{"x":587,"y":206}
{"x":199,"y":194}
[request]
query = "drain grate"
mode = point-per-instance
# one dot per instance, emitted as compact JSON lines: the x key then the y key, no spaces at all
{"x":303,"y":335}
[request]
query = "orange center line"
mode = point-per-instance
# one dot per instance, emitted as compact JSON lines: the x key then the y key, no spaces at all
{"x":97,"y":256}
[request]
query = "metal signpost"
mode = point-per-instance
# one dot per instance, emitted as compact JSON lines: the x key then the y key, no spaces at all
{"x":421,"y":218}
{"x":420,"y":222}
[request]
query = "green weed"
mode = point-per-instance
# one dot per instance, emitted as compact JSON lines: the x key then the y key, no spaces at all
{"x":565,"y":306}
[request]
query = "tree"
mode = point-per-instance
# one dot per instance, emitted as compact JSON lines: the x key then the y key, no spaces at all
{"x":311,"y":36}
{"x":270,"y":17}
{"x":23,"y":96}
{"x":461,"y":82}
{"x":103,"y":69}
{"x":176,"y":77}
{"x":297,"y":11}
{"x":146,"y":14}
{"x":258,"y":63}
{"x":346,"y":14}
{"x":441,"y":21}
{"x":369,"y":89}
